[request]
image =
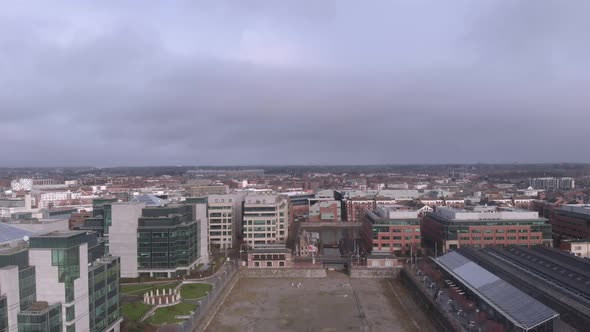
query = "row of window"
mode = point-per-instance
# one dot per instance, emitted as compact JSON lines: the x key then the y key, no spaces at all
{"x":386,"y":238}
{"x":490,"y":231}
{"x":499,"y":238}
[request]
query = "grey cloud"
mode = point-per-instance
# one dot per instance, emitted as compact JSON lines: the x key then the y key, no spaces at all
{"x":390,"y":83}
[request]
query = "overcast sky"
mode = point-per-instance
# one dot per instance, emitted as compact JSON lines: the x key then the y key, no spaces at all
{"x":110,"y":83}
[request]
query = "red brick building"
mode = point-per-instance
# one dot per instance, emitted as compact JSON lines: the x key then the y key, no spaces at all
{"x":357,"y":207}
{"x":447,"y":228}
{"x":571,"y":221}
{"x":395,"y":229}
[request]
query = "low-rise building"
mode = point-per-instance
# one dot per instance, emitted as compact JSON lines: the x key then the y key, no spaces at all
{"x":580,"y":248}
{"x":393,"y":229}
{"x":270,"y":256}
{"x":447,"y":228}
{"x":380,"y":260}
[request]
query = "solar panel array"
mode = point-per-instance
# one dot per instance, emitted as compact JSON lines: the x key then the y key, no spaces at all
{"x":9,"y":233}
{"x":518,"y":306}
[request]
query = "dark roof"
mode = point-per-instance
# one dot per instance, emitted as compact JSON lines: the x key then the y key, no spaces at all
{"x":518,"y":307}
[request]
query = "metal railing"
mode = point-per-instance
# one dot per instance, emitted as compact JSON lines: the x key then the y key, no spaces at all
{"x":219,"y":281}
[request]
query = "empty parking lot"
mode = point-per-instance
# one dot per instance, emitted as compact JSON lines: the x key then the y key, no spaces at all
{"x":335,"y":303}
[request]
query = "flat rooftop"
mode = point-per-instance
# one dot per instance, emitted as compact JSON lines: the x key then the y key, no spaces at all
{"x":576,"y":208}
{"x":484,"y":213}
{"x":61,"y":234}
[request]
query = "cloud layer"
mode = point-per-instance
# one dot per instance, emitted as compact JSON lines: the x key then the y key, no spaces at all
{"x":293,"y":82}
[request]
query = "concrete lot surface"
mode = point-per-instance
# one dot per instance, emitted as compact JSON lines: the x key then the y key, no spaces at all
{"x":335,"y":303}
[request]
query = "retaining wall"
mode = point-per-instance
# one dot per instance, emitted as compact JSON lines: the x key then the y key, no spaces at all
{"x":284,"y":273}
{"x":438,"y":316}
{"x":213,"y":308}
{"x":374,"y":273}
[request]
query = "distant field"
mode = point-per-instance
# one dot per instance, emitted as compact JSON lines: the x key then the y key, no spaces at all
{"x":335,"y":303}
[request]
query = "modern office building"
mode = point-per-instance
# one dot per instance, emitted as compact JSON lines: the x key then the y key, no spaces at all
{"x":447,"y":228}
{"x":298,"y":205}
{"x":571,"y":221}
{"x":155,"y":240}
{"x":158,"y":241}
{"x":393,"y":229}
{"x":553,"y":183}
{"x":61,"y":281}
{"x":101,"y":217}
{"x":223,"y":214}
{"x":265,"y":220}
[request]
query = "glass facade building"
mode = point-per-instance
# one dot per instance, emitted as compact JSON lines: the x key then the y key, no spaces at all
{"x":103,"y":292}
{"x":167,"y":238}
{"x":41,"y":317}
{"x":3,"y":314}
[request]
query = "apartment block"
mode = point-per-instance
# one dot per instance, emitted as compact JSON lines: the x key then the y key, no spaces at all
{"x":566,"y":183}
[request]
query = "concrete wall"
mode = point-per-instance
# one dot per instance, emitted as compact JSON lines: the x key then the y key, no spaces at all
{"x":374,"y":273}
{"x":123,"y":236}
{"x":284,"y":273}
{"x":9,"y":287}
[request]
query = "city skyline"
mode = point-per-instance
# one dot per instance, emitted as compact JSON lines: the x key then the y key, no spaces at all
{"x":295,"y":83}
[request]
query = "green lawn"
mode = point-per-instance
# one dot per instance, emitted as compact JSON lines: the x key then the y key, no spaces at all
{"x":166,"y":315}
{"x":133,"y":311}
{"x":139,"y":289}
{"x":195,"y":291}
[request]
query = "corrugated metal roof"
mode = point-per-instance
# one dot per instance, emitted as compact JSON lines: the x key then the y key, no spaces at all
{"x":9,"y":233}
{"x":522,"y":309}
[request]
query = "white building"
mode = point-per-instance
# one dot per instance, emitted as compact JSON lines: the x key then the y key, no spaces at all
{"x":265,"y":220}
{"x":223,"y":214}
{"x":21,"y":184}
{"x":123,"y":235}
{"x":553,"y":183}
